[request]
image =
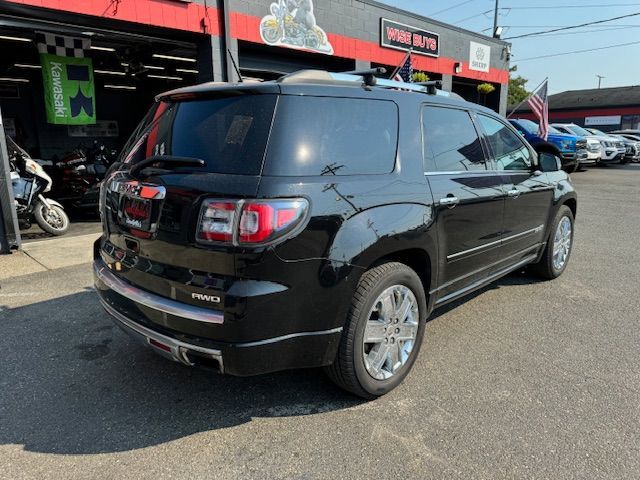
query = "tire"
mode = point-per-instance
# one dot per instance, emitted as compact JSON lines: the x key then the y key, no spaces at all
{"x":59,"y":221}
{"x":350,"y":370}
{"x":547,"y":267}
{"x":572,"y":169}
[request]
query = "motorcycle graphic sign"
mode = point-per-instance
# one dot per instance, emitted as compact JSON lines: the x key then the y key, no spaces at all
{"x":292,"y":24}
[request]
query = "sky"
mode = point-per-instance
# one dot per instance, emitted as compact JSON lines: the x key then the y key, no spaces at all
{"x":620,"y":66}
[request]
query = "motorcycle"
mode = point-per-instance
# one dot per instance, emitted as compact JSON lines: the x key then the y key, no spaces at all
{"x":29,"y":182}
{"x":79,"y":175}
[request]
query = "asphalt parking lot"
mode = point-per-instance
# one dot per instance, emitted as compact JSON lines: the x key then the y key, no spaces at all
{"x":524,"y":379}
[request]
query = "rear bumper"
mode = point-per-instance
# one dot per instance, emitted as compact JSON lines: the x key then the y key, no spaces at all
{"x":129,"y":307}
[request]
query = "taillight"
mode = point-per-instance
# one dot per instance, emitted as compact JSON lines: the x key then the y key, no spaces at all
{"x":249,"y":222}
{"x":217,"y":221}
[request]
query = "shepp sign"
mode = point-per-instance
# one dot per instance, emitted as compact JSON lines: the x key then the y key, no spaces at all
{"x":479,"y":57}
{"x":405,"y":37}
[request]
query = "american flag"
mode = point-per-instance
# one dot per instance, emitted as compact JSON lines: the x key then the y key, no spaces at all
{"x":405,"y":71}
{"x":540,"y":106}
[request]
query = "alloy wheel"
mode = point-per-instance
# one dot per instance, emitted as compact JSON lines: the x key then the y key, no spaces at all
{"x":562,"y":243}
{"x":390,"y":333}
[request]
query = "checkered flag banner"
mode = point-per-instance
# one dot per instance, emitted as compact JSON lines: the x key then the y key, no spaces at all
{"x":62,"y":45}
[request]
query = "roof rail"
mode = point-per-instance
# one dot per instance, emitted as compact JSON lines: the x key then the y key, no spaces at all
{"x":368,"y":75}
{"x":366,"y":78}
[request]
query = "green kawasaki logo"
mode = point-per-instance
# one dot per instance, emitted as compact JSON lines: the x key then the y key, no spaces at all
{"x":69,"y":91}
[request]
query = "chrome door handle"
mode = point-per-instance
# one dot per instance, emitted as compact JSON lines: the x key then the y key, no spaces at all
{"x":515,"y":193}
{"x":449,"y":201}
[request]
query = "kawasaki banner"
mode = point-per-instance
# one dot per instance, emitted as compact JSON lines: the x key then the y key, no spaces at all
{"x":69,"y":90}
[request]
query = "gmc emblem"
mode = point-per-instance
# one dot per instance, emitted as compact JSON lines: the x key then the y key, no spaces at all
{"x":206,"y":298}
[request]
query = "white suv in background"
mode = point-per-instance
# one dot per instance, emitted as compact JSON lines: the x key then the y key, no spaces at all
{"x":612,"y":149}
{"x":631,"y":143}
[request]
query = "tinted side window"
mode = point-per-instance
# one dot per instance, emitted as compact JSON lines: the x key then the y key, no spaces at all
{"x":451,"y":142}
{"x":509,"y":152}
{"x":332,"y":136}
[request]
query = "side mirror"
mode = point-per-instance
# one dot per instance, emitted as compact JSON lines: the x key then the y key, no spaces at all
{"x":549,"y":162}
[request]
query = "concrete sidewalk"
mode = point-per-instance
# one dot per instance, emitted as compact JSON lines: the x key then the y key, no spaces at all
{"x":43,"y":255}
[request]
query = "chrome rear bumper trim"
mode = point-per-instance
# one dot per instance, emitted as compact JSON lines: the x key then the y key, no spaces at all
{"x":152,"y":300}
{"x":179,"y":350}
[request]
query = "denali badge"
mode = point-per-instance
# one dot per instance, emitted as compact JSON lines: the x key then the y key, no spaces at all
{"x":206,"y":298}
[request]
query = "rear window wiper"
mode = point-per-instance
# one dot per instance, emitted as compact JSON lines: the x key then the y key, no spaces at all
{"x":168,"y":160}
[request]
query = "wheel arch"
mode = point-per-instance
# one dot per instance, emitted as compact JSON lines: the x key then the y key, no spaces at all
{"x":547,"y":147}
{"x":417,"y":259}
{"x":572,"y":203}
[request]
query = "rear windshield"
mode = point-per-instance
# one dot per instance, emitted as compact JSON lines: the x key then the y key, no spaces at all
{"x":332,"y":136}
{"x":229,"y":134}
{"x":310,"y":135}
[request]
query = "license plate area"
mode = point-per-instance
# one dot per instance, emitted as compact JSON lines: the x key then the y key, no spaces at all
{"x":139,"y":205}
{"x":135,"y":213}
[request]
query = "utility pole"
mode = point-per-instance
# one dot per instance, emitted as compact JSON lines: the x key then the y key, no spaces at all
{"x":600,"y":77}
{"x":495,"y":21}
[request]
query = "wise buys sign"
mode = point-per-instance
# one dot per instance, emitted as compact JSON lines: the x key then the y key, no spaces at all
{"x":405,"y":37}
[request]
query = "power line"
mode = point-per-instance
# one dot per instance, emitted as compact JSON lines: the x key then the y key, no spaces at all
{"x":577,"y":51}
{"x":451,"y":7}
{"x":602,"y":29}
{"x":583,"y":32}
{"x":573,"y":26}
{"x":560,"y":26}
{"x":573,"y":6}
{"x":473,"y":16}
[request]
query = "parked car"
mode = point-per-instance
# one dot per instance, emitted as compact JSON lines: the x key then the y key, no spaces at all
{"x":627,"y":131}
{"x":635,"y":138}
{"x":613,"y":150}
{"x":632,"y":145}
{"x":632,"y":149}
{"x":318,"y":220}
{"x":572,"y":149}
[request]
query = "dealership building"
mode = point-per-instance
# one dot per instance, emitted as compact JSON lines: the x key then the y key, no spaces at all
{"x":124,"y":52}
{"x":606,"y":109}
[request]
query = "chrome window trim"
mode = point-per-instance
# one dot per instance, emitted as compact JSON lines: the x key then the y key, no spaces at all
{"x":482,"y":172}
{"x":153,"y":301}
{"x":495,"y":242}
{"x":462,"y":172}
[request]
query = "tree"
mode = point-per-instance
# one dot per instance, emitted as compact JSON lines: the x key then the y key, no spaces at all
{"x":517,"y":90}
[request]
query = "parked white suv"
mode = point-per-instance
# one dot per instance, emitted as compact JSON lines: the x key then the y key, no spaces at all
{"x":631,"y":144}
{"x":612,"y":149}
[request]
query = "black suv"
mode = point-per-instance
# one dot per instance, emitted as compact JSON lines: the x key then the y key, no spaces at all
{"x":317,"y":220}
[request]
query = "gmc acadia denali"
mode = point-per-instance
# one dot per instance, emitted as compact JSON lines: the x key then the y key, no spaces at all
{"x":317,"y":220}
